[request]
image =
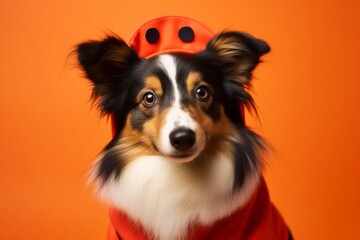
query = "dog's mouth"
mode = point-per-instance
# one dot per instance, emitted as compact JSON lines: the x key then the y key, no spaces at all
{"x":182,"y":156}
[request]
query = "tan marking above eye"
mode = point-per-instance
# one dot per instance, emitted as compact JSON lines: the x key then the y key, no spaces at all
{"x":153,"y":83}
{"x":193,"y":79}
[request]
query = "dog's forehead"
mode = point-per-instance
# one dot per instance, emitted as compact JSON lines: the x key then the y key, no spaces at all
{"x":170,"y":68}
{"x":154,"y":83}
{"x":169,"y":64}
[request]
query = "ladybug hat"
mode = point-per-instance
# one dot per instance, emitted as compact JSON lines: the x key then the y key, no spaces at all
{"x":170,"y":35}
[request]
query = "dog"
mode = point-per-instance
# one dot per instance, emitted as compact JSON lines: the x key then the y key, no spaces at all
{"x":182,"y":164}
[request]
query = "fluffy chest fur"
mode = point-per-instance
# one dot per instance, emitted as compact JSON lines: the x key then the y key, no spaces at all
{"x":167,"y":198}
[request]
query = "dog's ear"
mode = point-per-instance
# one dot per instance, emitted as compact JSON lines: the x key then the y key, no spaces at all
{"x":106,"y":64}
{"x":237,"y":54}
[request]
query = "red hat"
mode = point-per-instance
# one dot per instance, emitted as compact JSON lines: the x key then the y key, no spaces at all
{"x":170,"y":34}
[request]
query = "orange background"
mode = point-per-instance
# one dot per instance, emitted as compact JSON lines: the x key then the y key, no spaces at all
{"x":307,"y":91}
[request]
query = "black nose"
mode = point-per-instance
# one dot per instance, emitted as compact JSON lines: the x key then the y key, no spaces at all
{"x":182,"y":139}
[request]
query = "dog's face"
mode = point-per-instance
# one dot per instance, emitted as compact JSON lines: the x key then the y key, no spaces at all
{"x":176,"y":110}
{"x":173,"y":105}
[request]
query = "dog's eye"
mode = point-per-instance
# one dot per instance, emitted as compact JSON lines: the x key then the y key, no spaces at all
{"x":202,"y":93}
{"x":149,"y":99}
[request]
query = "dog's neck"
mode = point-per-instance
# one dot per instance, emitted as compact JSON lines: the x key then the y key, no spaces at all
{"x":167,"y":197}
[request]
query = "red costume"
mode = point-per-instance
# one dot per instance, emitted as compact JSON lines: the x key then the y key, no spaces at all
{"x":258,"y":219}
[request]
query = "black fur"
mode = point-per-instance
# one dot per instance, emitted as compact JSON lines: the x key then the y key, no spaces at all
{"x":246,"y":155}
{"x":107,"y":65}
{"x":110,"y":164}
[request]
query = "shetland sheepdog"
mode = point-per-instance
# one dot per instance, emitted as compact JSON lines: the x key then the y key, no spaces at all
{"x":181,"y":155}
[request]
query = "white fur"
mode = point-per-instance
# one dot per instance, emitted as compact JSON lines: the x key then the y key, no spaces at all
{"x":167,"y":62}
{"x":176,"y":117}
{"x":166,"y":197}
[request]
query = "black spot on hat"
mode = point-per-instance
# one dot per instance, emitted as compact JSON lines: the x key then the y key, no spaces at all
{"x":152,"y":35}
{"x":186,"y":34}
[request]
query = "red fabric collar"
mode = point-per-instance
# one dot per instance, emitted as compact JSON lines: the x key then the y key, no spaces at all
{"x":258,"y":220}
